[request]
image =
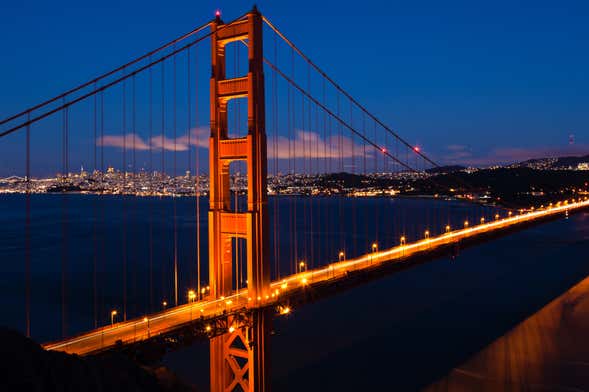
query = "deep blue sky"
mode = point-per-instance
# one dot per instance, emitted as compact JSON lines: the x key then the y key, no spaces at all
{"x":470,"y":81}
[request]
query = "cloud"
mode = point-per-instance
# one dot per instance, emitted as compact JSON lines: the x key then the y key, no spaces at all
{"x":128,"y":141}
{"x":198,"y":138}
{"x":304,"y":145}
{"x":310,"y":145}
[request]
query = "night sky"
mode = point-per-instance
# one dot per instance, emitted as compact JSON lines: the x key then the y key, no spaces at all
{"x":470,"y":82}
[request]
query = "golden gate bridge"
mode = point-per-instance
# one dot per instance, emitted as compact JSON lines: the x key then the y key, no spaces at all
{"x":274,"y":115}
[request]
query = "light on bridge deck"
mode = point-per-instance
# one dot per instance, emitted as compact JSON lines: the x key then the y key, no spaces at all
{"x":465,"y":223}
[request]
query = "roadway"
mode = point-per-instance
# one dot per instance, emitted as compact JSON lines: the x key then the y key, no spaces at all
{"x":143,"y":328}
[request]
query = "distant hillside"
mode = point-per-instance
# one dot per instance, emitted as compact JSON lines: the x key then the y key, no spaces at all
{"x":522,"y":185}
{"x":445,"y":169}
{"x":553,"y":163}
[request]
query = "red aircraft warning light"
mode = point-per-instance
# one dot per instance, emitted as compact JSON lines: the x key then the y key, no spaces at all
{"x":218,"y":13}
{"x":416,"y":148}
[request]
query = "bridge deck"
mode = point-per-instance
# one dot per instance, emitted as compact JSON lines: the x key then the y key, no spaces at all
{"x":143,"y":328}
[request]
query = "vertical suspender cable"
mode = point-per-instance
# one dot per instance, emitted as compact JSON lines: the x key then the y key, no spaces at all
{"x":124,"y":197}
{"x":151,"y":190}
{"x":28,"y":232}
{"x":197,"y":169}
{"x":174,"y":184}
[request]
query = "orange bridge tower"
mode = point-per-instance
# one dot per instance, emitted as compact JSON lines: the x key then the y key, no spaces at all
{"x":238,"y":357}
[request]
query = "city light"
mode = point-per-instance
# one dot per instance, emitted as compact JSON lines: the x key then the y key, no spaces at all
{"x":231,"y":329}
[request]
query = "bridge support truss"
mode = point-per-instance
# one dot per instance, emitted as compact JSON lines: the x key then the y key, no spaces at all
{"x":238,"y":357}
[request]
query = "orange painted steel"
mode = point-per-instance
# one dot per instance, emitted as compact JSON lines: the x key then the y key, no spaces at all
{"x":227,"y":371}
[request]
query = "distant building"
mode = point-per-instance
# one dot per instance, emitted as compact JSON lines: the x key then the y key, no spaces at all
{"x":583,"y":166}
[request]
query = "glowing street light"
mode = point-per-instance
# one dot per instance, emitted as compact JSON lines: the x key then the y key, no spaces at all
{"x":113,"y":314}
{"x":164,"y":304}
{"x":146,"y":320}
{"x":496,"y":216}
{"x":465,"y":223}
{"x":374,"y":247}
{"x":482,"y":220}
{"x":447,"y":228}
{"x":302,"y":265}
{"x":191,"y":296}
{"x":231,"y":329}
{"x":402,"y":240}
{"x":426,"y":234}
{"x":208,"y":328}
{"x":342,"y":256}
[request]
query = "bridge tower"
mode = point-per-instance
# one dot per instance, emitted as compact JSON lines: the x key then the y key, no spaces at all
{"x":238,"y":358}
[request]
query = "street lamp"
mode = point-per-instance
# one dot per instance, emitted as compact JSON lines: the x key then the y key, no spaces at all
{"x":482,"y":220}
{"x":402,"y":240}
{"x":342,"y":256}
{"x":164,"y":304}
{"x":374,"y":247}
{"x":465,"y":223}
{"x":496,"y":216}
{"x":302,"y":265}
{"x":447,"y":228}
{"x":191,"y":298}
{"x":426,"y":234}
{"x":146,"y":320}
{"x":112,"y":317}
